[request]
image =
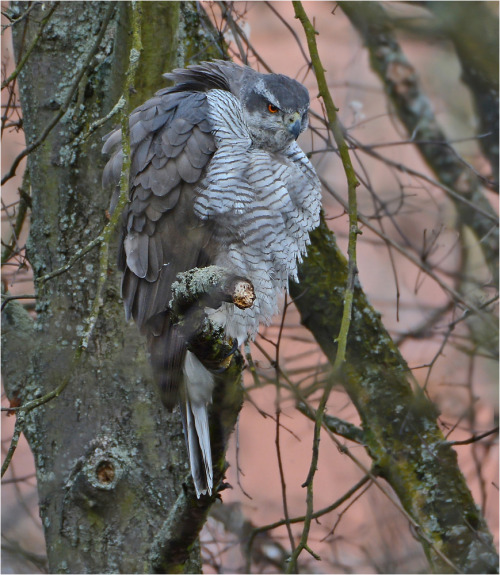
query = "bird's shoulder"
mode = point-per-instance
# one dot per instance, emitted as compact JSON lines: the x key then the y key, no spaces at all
{"x":171,"y":143}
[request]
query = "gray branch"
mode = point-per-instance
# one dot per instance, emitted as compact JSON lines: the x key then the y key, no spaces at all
{"x":210,"y":287}
{"x":401,"y":433}
{"x":415,"y":112}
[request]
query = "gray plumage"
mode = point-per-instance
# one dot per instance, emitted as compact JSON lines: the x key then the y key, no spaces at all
{"x":216,"y":179}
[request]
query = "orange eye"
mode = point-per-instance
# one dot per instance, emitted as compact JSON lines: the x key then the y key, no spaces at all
{"x":272,"y":108}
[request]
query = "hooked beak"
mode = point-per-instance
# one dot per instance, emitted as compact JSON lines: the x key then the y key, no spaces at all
{"x":294,"y":124}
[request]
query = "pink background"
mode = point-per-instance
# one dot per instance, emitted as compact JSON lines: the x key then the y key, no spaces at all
{"x":372,"y":532}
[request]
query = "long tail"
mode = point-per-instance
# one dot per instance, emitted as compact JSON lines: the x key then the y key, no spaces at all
{"x":199,"y":384}
{"x":184,"y":379}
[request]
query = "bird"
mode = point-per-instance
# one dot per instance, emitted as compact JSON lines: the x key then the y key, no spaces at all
{"x":216,"y":178}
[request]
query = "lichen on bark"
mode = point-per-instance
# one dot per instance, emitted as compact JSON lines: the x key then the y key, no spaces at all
{"x":110,"y":460}
{"x":399,"y":422}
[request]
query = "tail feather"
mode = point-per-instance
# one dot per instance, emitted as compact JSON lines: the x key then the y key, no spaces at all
{"x":183,"y":378}
{"x":198,"y":446}
{"x":167,"y":349}
{"x":199,"y":385}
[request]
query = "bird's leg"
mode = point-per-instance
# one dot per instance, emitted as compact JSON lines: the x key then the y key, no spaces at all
{"x":198,"y":289}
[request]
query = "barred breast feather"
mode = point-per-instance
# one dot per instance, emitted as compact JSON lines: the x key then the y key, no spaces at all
{"x":264,"y":204}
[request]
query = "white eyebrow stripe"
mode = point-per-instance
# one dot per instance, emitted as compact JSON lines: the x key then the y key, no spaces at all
{"x":261,"y":89}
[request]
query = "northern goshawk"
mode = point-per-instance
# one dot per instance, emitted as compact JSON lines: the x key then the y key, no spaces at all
{"x":216,"y":178}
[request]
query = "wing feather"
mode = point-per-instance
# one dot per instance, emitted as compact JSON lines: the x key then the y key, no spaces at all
{"x":143,"y":154}
{"x":171,"y":145}
{"x":158,"y":161}
{"x":138,"y":223}
{"x":186,"y":170}
{"x":197,"y":149}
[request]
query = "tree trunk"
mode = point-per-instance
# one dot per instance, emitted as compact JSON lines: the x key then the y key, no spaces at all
{"x":110,"y":460}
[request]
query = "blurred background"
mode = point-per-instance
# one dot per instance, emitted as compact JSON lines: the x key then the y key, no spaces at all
{"x":412,"y":251}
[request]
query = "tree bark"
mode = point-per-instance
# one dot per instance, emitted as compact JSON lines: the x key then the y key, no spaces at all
{"x":111,"y":461}
{"x":112,"y":474}
{"x":416,"y":113}
{"x":401,"y":434}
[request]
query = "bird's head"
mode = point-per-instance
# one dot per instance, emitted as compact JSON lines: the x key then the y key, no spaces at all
{"x":275,"y":109}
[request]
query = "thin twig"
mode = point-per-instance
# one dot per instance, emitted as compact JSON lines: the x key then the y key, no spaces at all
{"x":315,"y":515}
{"x":237,"y":28}
{"x":31,"y":47}
{"x":8,"y":250}
{"x":65,"y":106}
{"x":352,"y":183}
{"x":418,"y":262}
{"x":475,"y":437}
{"x":74,"y":258}
{"x":371,"y":474}
{"x":7,"y":298}
{"x":277,"y":436}
{"x":19,"y":479}
{"x":457,"y":197}
{"x":98,"y":123}
{"x":12,"y":21}
{"x":104,"y":243}
{"x":290,"y":29}
{"x":418,"y":528}
{"x":13,"y":442}
{"x":345,"y":510}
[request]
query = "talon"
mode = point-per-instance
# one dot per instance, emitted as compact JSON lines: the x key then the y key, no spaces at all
{"x":234,"y":347}
{"x":224,"y":364}
{"x":226,"y":359}
{"x":223,"y":486}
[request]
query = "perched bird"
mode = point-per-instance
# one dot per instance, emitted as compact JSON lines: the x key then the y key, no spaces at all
{"x":216,"y":178}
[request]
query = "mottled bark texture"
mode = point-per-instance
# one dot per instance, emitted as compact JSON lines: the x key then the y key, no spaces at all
{"x":113,"y":480}
{"x":400,"y":429}
{"x":416,"y":113}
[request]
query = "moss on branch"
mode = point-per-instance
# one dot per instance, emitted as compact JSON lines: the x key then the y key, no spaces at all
{"x":400,"y":429}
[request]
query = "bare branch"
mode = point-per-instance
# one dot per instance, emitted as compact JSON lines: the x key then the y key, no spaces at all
{"x":65,"y":105}
{"x":416,"y":113}
{"x":475,"y":438}
{"x":30,"y":49}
